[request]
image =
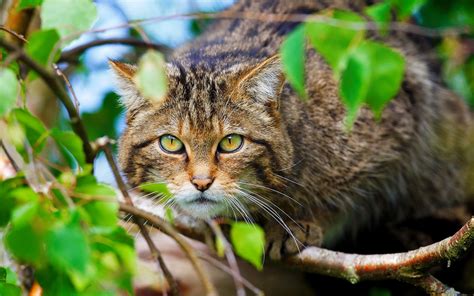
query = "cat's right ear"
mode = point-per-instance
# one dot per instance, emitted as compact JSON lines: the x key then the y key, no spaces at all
{"x":126,"y":87}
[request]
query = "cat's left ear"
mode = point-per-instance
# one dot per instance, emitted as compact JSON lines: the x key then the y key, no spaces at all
{"x":265,"y":81}
{"x":126,"y":88}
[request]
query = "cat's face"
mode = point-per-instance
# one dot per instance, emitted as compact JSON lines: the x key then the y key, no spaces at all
{"x":214,"y":140}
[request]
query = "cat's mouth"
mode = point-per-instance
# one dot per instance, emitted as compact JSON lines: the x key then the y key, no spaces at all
{"x":202,"y":200}
{"x":202,"y":206}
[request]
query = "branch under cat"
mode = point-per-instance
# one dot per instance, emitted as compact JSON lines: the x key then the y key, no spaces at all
{"x":410,"y":267}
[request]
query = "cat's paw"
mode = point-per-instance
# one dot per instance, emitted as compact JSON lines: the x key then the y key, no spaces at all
{"x":279,"y":243}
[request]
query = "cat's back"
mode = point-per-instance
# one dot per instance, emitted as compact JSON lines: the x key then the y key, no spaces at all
{"x":248,"y":32}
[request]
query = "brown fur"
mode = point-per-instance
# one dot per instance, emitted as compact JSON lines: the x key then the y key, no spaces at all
{"x":298,"y":156}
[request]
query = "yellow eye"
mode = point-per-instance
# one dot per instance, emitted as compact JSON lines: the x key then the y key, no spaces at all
{"x":231,"y":143}
{"x":171,"y":144}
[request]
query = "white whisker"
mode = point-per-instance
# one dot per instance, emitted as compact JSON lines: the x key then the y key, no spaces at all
{"x":273,"y":190}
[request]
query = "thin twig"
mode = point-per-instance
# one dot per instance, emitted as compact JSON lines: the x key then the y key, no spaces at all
{"x":10,"y":158}
{"x":271,"y":17}
{"x":167,"y":229}
{"x":57,"y":87}
{"x":287,"y":17}
{"x":228,"y":270}
{"x":68,"y":84}
{"x":431,"y":285}
{"x":75,"y":52}
{"x":11,"y":32}
{"x":104,"y":144}
{"x":229,"y":254}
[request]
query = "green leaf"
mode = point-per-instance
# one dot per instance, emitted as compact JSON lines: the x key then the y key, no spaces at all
{"x":24,"y":243}
{"x":7,"y":199}
{"x":67,"y":248}
{"x":335,"y":40}
{"x":405,"y":8}
{"x":373,"y":75}
{"x":70,"y":144}
{"x":54,"y":282}
{"x":97,"y":190}
{"x":292,"y":54}
{"x":159,"y":188}
{"x":169,"y":215}
{"x":40,"y":45}
{"x":248,"y":241}
{"x":445,"y":14}
{"x":7,"y":276}
{"x":24,"y":214}
{"x":102,"y":213}
{"x":102,"y":122}
{"x":380,"y":13}
{"x":68,"y":16}
{"x":35,"y":130}
{"x":9,"y":290}
{"x":8,"y":90}
{"x":355,"y":80}
{"x":11,"y":277}
{"x":155,"y":187}
{"x":88,"y":185}
{"x":29,"y":4}
{"x":386,"y":74}
{"x":151,"y":76}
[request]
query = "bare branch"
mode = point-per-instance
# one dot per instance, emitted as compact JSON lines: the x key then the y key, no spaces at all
{"x":225,"y":268}
{"x":291,"y":17}
{"x":68,"y":84}
{"x":13,"y":33}
{"x":74,"y":53}
{"x":10,"y":157}
{"x":229,"y":254}
{"x":104,"y":144}
{"x":57,"y":87}
{"x":167,"y":229}
{"x":410,"y":267}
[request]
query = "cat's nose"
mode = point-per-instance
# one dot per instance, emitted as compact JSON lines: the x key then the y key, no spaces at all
{"x":202,"y":183}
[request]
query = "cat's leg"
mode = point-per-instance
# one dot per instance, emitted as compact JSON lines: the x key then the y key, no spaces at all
{"x":280,"y":243}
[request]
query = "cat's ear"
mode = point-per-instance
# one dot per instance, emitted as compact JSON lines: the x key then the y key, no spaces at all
{"x":265,"y":81}
{"x":126,"y":87}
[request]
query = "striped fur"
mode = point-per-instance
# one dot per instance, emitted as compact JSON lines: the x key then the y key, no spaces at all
{"x":297,"y":157}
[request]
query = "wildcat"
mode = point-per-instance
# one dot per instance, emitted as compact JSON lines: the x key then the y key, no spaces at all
{"x":231,"y":138}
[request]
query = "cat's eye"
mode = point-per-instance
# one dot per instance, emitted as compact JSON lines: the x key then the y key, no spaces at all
{"x":230,"y":143}
{"x":171,"y":144}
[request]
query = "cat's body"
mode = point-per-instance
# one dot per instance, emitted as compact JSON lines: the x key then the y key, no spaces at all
{"x":297,"y":157}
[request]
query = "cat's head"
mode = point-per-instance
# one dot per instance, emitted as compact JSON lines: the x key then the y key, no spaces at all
{"x":216,"y":140}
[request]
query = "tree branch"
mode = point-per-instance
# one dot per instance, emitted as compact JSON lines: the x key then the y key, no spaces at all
{"x":104,"y":144}
{"x":74,"y":53}
{"x":410,"y":267}
{"x":406,"y":265}
{"x":167,"y":229}
{"x":58,"y":89}
{"x":229,"y":254}
{"x":13,"y":33}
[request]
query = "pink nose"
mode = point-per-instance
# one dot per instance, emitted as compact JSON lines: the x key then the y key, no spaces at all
{"x":202,"y":183}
